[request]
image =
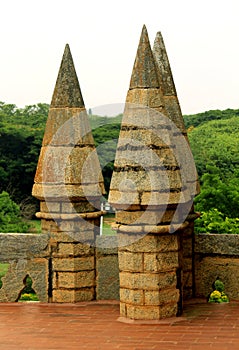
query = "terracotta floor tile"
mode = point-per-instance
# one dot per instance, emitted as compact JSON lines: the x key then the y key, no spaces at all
{"x":94,"y":326}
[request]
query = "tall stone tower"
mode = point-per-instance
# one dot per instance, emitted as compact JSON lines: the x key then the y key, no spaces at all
{"x":69,"y":185}
{"x":150,"y":192}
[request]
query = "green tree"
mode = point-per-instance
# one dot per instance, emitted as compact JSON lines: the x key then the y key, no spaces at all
{"x":20,"y":141}
{"x":213,"y":221}
{"x":10,"y":218}
{"x":218,"y":194}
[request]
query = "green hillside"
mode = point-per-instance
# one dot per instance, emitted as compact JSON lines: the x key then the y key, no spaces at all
{"x":216,"y":143}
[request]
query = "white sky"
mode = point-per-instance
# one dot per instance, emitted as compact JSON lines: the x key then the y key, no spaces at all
{"x":201,"y":37}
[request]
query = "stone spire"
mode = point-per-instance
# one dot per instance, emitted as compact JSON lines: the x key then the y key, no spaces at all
{"x":167,"y":83}
{"x":144,"y":74}
{"x":146,"y":172}
{"x":172,"y":105}
{"x":69,"y":185}
{"x":67,"y":92}
{"x":146,"y":189}
{"x":68,"y":165}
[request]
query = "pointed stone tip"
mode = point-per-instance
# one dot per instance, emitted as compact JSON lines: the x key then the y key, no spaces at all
{"x":144,"y":73}
{"x":144,"y":29}
{"x":159,"y":34}
{"x":158,"y":41}
{"x":67,"y":92}
{"x":164,"y":70}
{"x":67,"y":49}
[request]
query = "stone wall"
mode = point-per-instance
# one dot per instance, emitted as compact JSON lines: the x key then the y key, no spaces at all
{"x":32,"y":255}
{"x":27,"y":255}
{"x":216,"y":256}
{"x":107,"y":268}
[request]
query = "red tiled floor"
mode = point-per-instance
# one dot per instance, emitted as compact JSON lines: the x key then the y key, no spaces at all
{"x":34,"y":326}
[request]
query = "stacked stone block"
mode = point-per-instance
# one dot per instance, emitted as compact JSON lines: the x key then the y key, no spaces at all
{"x":69,"y":184}
{"x":148,"y":277}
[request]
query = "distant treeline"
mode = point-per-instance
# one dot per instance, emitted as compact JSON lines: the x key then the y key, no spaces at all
{"x":201,"y":118}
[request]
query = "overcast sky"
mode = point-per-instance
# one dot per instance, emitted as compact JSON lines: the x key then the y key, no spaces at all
{"x":201,"y":37}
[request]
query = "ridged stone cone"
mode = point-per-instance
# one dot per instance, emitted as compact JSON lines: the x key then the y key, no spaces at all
{"x":146,"y":173}
{"x":68,"y":166}
{"x":172,"y":105}
{"x":166,"y":80}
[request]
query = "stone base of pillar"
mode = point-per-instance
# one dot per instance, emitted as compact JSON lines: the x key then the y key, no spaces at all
{"x":148,"y":276}
{"x":73,"y":272}
{"x":72,"y":263}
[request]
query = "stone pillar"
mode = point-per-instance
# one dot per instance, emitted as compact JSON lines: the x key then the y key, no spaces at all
{"x":69,"y":185}
{"x":150,"y":193}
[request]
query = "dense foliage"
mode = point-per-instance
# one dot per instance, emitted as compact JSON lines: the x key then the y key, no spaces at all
{"x":21,"y":132}
{"x":214,"y":144}
{"x":10,"y":217}
{"x":201,"y":118}
{"x":214,"y":139}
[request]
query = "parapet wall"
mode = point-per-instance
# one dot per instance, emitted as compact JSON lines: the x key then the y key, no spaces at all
{"x":216,"y":256}
{"x":32,"y":255}
{"x":27,"y":255}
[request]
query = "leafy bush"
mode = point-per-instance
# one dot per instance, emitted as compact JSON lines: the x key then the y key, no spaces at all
{"x":29,"y":297}
{"x":28,"y":294}
{"x":213,"y":221}
{"x":218,"y":295}
{"x":10,"y":218}
{"x":218,"y":193}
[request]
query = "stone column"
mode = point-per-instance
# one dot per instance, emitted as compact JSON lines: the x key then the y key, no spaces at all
{"x":150,"y":193}
{"x":69,"y":185}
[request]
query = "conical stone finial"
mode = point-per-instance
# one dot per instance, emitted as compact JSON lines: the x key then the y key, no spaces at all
{"x":67,"y":91}
{"x":165,"y":73}
{"x":172,"y":105}
{"x":167,"y":83}
{"x":144,"y":73}
{"x":146,"y":172}
{"x":68,"y":166}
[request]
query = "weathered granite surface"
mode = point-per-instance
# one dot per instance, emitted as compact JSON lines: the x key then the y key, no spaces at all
{"x":67,"y":91}
{"x":27,"y":255}
{"x":219,"y":244}
{"x":15,"y":246}
{"x":68,"y":166}
{"x":216,"y":256}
